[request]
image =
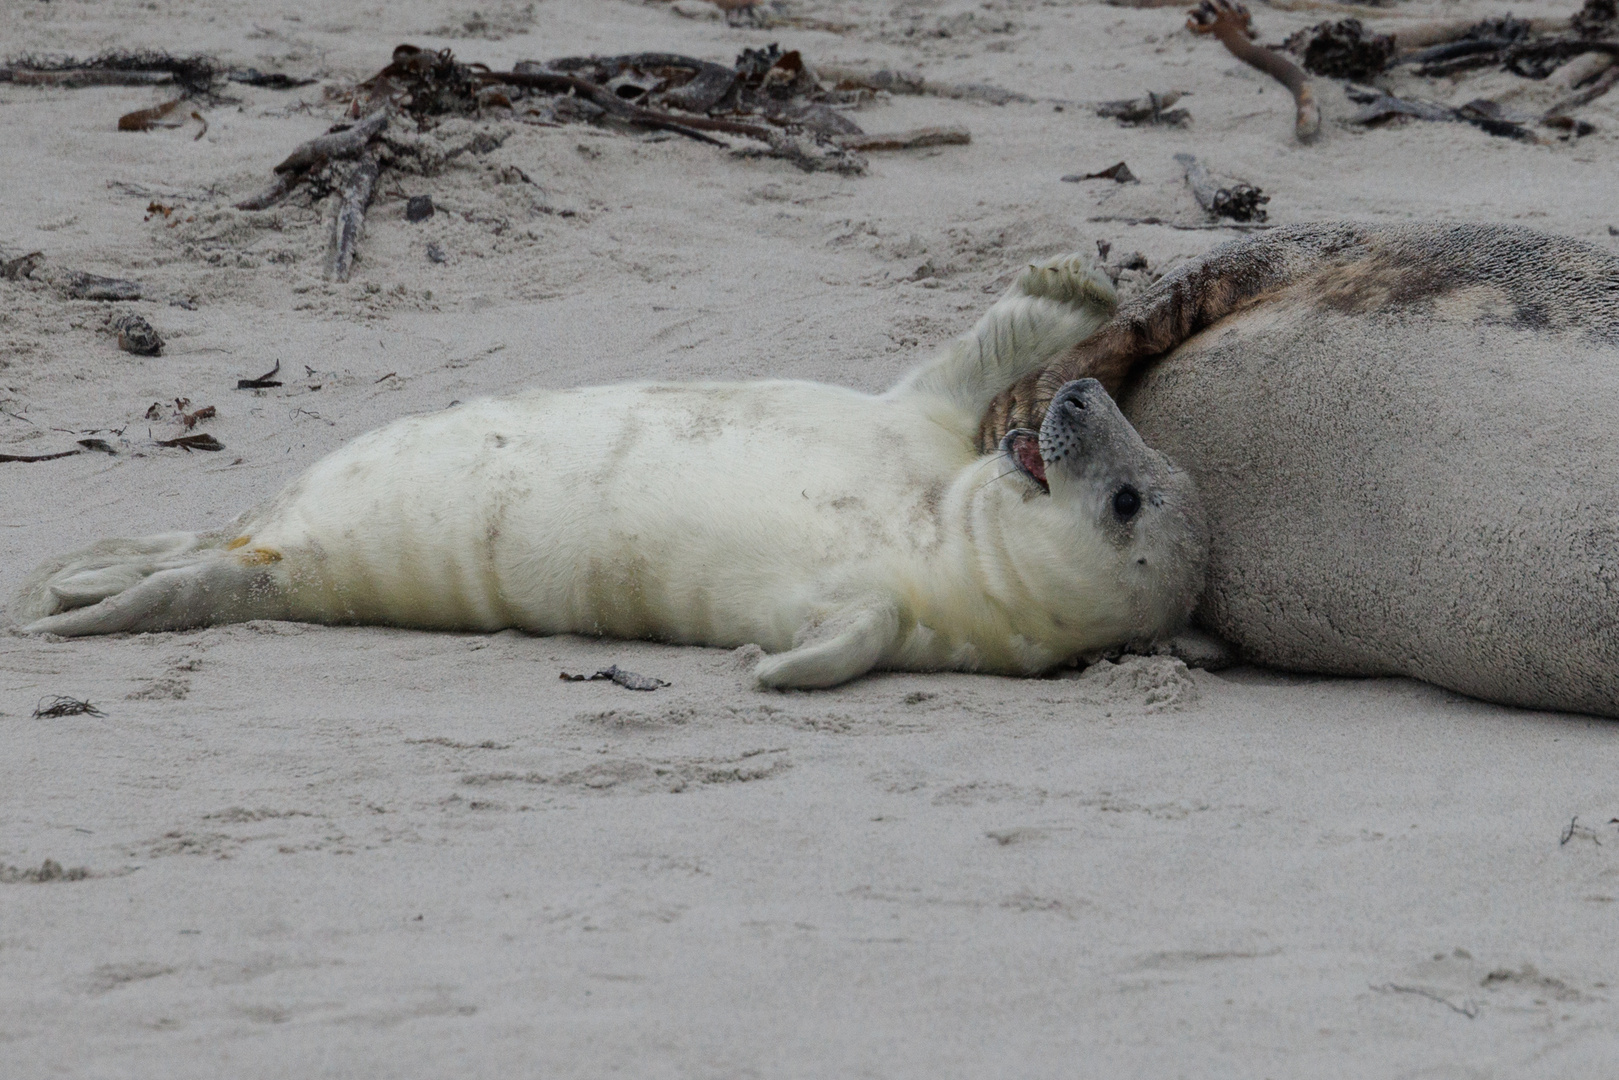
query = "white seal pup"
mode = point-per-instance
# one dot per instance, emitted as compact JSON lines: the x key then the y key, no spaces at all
{"x":840,"y":531}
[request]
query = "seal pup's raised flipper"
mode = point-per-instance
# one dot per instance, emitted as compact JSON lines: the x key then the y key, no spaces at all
{"x":1050,"y":308}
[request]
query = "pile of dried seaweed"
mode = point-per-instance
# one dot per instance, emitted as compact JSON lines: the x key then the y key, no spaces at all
{"x":1582,"y":52}
{"x":649,"y":89}
{"x":768,"y":96}
{"x":1530,"y":48}
{"x":1342,"y":50}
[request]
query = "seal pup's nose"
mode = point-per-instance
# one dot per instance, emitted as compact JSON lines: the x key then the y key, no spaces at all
{"x":1081,"y":423}
{"x":1076,"y":394}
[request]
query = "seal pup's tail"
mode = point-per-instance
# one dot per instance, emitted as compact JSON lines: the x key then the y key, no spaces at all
{"x":168,"y":582}
{"x":1050,"y":308}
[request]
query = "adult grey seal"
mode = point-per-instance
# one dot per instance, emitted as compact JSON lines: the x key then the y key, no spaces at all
{"x":1406,"y":438}
{"x":841,"y":531}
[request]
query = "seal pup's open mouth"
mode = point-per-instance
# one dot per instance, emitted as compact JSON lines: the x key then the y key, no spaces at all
{"x":1023,"y":447}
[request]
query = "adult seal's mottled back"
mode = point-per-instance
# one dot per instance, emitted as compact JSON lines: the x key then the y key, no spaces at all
{"x":1406,"y":438}
{"x":841,"y":531}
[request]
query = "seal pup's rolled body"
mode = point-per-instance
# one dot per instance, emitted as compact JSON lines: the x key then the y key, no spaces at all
{"x":840,"y":530}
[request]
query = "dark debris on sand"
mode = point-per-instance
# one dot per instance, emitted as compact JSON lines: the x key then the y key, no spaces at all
{"x":1342,"y":50}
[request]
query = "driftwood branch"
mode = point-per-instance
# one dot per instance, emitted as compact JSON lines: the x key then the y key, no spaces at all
{"x":349,"y":143}
{"x":1204,"y":189}
{"x":39,"y":457}
{"x":1580,"y":70}
{"x":1228,"y":21}
{"x":76,"y":77}
{"x":558,"y":83}
{"x":905,"y":140}
{"x":1360,"y":11}
{"x":1239,"y":202}
{"x":1438,"y":32}
{"x":1121,"y":219}
{"x":1604,"y":83}
{"x":343,"y":144}
{"x":852,"y":77}
{"x":278,"y":189}
{"x":350,"y":220}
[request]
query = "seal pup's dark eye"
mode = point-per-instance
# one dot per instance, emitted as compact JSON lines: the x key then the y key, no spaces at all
{"x":1126,"y":501}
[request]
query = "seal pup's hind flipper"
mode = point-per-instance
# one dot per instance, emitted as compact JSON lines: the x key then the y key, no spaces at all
{"x":1052,"y":307}
{"x":170,"y":582}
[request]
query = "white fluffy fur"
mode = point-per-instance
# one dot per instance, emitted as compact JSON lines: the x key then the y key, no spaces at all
{"x":839,"y":530}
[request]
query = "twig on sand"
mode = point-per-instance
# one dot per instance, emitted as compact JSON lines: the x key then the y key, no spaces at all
{"x":86,"y":444}
{"x":350,"y":220}
{"x":263,"y":382}
{"x":39,"y":457}
{"x":1467,"y":1008}
{"x":1152,"y":109}
{"x":1121,"y":220}
{"x":1228,"y":21}
{"x":1240,"y":202}
{"x":905,"y":140}
{"x":189,"y":443}
{"x":1576,"y":829}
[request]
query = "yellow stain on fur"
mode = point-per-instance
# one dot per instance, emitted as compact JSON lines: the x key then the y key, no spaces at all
{"x":259,"y":556}
{"x":240,"y":541}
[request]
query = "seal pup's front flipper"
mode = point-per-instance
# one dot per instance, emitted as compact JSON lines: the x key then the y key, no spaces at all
{"x":842,"y":647}
{"x":1050,"y":308}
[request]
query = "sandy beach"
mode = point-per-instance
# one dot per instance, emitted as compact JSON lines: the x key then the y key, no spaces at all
{"x":297,"y":851}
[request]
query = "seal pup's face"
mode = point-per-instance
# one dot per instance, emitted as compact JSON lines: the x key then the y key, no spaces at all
{"x":1102,"y":521}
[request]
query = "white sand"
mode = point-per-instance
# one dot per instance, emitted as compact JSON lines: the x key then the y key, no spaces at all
{"x":368,"y":852}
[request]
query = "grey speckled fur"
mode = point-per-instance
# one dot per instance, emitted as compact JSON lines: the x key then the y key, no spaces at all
{"x":1407,"y":441}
